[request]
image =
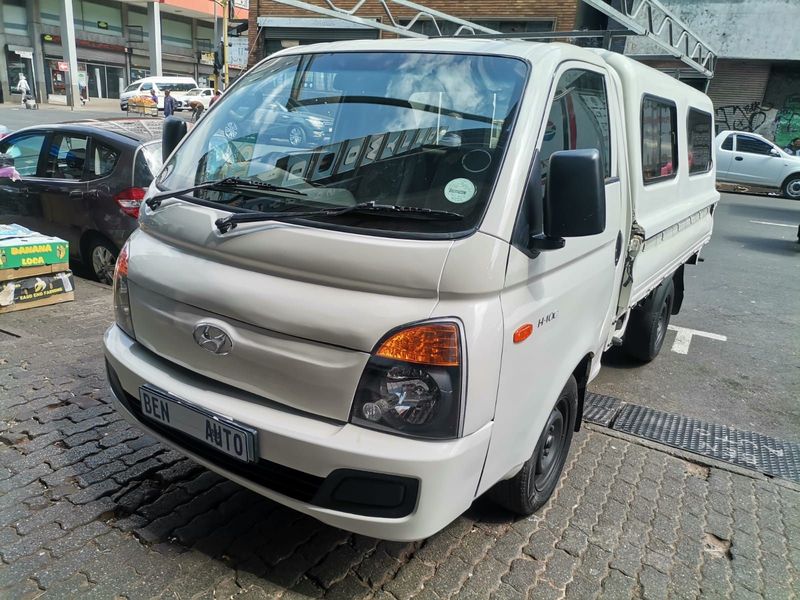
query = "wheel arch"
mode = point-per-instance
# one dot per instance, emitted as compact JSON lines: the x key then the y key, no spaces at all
{"x":788,"y":178}
{"x":582,"y":373}
{"x":87,"y":238}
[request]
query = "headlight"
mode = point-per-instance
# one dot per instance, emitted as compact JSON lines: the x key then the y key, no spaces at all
{"x":122,"y":302}
{"x":412,"y":383}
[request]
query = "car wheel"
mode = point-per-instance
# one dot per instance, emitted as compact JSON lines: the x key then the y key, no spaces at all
{"x":102,"y":258}
{"x":791,"y":188}
{"x":647,"y":327}
{"x":297,"y":135}
{"x":529,"y":489}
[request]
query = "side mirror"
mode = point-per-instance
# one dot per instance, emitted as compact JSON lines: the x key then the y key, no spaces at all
{"x":775,"y":153}
{"x":172,"y":133}
{"x":575,"y":202}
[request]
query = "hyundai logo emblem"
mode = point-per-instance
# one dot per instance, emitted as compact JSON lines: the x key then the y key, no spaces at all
{"x":212,"y":338}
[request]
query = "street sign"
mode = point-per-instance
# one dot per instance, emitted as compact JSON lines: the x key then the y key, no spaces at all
{"x":237,"y":52}
{"x":62,"y":66}
{"x":207,"y":58}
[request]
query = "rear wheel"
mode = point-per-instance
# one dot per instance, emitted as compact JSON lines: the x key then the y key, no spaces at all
{"x":647,"y":327}
{"x":529,"y":489}
{"x":101,"y":257}
{"x":791,"y":188}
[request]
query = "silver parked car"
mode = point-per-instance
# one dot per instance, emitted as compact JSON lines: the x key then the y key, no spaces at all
{"x":752,"y":160}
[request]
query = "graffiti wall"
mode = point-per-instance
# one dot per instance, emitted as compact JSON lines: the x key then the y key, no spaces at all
{"x":780,"y":124}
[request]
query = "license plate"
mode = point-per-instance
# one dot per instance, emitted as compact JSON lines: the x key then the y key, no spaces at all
{"x":222,"y":433}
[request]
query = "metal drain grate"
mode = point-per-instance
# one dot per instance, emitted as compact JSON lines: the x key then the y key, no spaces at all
{"x":742,"y":448}
{"x":600,"y":409}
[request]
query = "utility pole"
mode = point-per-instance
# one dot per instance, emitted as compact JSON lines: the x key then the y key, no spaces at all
{"x":226,"y":10}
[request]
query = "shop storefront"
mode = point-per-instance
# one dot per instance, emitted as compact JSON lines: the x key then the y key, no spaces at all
{"x":101,"y":68}
{"x":20,"y":62}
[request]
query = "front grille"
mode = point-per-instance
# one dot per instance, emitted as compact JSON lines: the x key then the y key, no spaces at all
{"x":284,"y":480}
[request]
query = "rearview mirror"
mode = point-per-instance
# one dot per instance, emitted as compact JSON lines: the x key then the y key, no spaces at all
{"x":575,"y":202}
{"x":172,"y":133}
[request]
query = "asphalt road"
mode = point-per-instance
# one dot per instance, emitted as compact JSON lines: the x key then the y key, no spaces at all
{"x":748,"y":290}
{"x":14,"y":117}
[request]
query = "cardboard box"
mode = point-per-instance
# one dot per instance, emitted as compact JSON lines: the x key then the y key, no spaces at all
{"x":20,"y":247}
{"x":25,"y":272}
{"x":30,"y":292}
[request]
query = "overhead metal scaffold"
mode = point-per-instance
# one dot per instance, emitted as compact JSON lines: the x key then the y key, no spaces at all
{"x":648,"y":19}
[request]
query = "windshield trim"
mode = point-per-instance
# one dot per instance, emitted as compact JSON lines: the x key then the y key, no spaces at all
{"x":386,"y":233}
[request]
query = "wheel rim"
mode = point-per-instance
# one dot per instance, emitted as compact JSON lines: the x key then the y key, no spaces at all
{"x":296,"y":136}
{"x":103,"y":264}
{"x":551,"y":447}
{"x":661,"y":325}
{"x":793,"y":188}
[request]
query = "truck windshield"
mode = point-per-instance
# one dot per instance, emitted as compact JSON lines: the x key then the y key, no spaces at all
{"x":421,"y":130}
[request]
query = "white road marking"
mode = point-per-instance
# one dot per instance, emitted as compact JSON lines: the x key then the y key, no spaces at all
{"x":776,"y":224}
{"x":684,"y":338}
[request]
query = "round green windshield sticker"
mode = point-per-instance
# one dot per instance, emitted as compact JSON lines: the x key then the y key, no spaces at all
{"x":459,"y":190}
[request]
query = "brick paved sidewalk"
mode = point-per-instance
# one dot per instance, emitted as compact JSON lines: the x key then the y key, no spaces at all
{"x":91,"y":508}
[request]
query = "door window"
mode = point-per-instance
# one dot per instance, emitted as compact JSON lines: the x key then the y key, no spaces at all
{"x":751,"y":145}
{"x":659,"y":140}
{"x":578,"y":118}
{"x":728,"y":143}
{"x":146,"y":87}
{"x":67,"y":157}
{"x":104,"y":159}
{"x":25,"y":152}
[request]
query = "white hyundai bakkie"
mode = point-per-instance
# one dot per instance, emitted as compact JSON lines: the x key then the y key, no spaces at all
{"x":378,"y":329}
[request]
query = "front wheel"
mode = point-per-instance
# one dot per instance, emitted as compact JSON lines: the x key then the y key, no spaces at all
{"x":529,"y":489}
{"x":297,"y":135}
{"x":791,"y":189}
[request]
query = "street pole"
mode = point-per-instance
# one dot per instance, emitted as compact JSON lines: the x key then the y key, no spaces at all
{"x":225,"y":40}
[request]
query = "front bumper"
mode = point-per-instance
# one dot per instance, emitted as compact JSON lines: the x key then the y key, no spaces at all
{"x":302,"y":458}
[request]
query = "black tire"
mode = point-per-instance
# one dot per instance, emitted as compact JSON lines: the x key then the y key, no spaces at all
{"x":100,"y":258}
{"x":529,"y":489}
{"x":791,"y":187}
{"x":647,"y":327}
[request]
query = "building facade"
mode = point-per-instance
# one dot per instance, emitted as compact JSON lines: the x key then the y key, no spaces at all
{"x":274,"y":26}
{"x":112,"y":43}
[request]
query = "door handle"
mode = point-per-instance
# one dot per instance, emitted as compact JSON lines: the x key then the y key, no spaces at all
{"x":739,"y":158}
{"x":76,"y":194}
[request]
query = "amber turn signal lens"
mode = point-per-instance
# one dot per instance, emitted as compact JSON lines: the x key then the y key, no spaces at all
{"x":523,"y":333}
{"x":434,"y":344}
{"x":121,"y":267}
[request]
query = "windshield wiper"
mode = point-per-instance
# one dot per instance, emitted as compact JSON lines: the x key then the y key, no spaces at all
{"x":390,"y":210}
{"x":227,"y":184}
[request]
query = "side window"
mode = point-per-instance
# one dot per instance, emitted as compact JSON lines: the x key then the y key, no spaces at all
{"x":66,"y":157}
{"x":751,"y":145}
{"x":24,"y":151}
{"x":578,"y":118}
{"x":699,"y":126}
{"x":659,"y":140}
{"x":104,"y":159}
{"x":146,"y":87}
{"x":728,"y":143}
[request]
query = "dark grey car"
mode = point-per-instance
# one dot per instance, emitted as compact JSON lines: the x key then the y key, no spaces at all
{"x":82,"y":182}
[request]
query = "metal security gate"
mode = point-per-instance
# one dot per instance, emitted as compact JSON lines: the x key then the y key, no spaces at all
{"x":739,"y":82}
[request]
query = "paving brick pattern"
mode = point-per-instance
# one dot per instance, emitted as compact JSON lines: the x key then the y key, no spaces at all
{"x":92,"y":508}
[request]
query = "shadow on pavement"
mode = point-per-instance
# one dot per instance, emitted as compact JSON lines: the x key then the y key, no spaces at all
{"x":616,"y":358}
{"x":766,"y":213}
{"x":775,"y":245}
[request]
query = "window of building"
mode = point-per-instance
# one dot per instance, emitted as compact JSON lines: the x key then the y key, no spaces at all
{"x":751,"y":145}
{"x":67,"y":157}
{"x":728,"y":143}
{"x":578,"y":118}
{"x":659,"y":140}
{"x":104,"y":159}
{"x":699,"y":126}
